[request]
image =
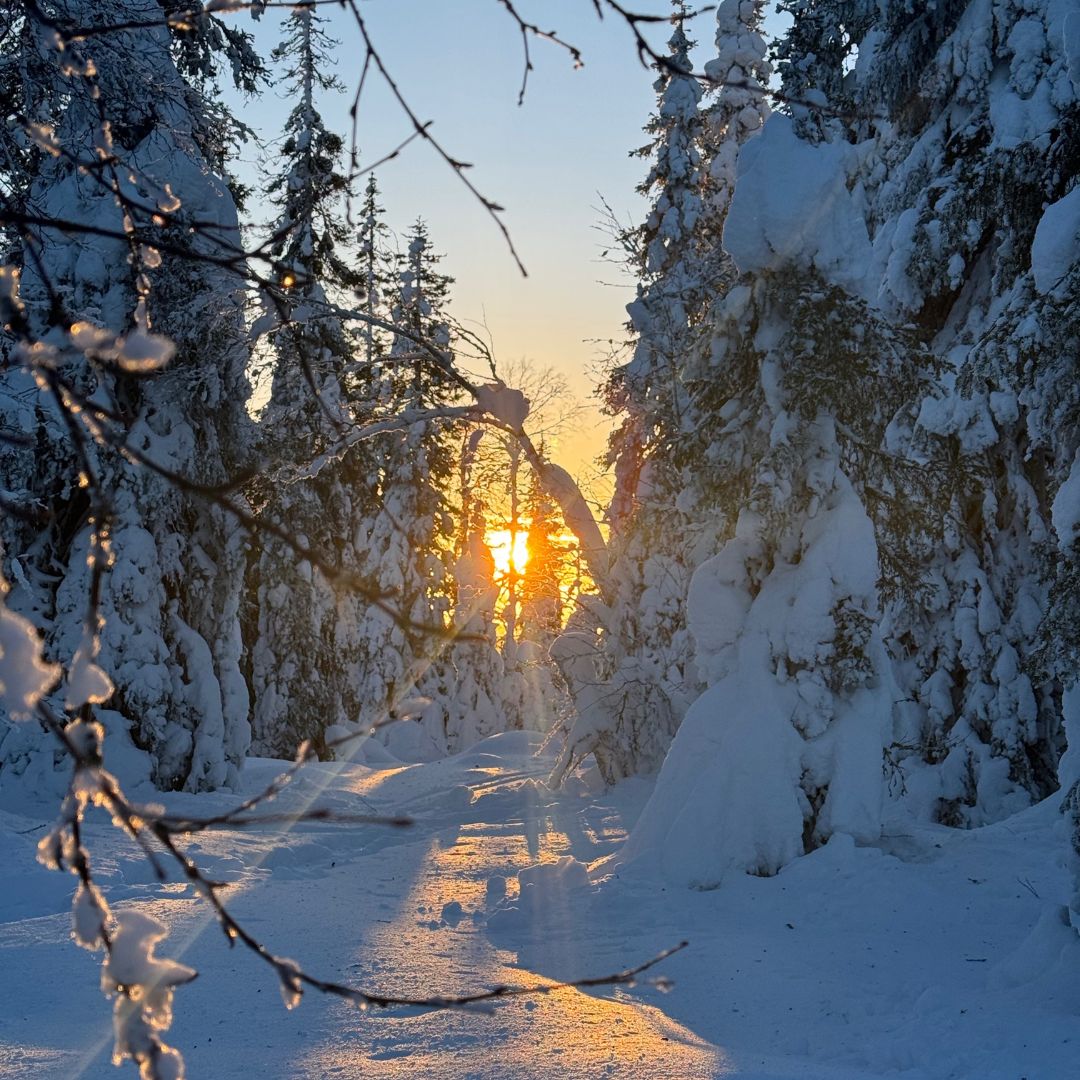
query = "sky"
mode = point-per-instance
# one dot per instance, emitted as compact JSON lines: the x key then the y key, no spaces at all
{"x":552,"y":162}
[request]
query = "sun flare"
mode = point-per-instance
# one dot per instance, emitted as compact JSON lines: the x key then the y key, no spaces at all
{"x":499,"y":540}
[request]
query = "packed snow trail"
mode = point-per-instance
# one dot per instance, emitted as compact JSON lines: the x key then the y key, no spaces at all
{"x":942,"y":955}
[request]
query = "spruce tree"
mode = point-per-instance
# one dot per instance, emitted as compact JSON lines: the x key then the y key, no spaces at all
{"x":968,"y":218}
{"x":304,"y":651}
{"x":139,"y":149}
{"x":408,"y":541}
{"x":670,"y":294}
{"x":796,"y":388}
{"x":876,"y":379}
{"x":663,"y":521}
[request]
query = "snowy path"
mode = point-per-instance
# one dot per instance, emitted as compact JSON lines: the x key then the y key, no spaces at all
{"x":835,"y":970}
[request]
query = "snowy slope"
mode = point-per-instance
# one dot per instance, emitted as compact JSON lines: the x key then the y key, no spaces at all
{"x":934,"y":954}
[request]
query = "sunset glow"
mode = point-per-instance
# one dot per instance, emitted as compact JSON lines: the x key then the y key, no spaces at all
{"x":499,"y":540}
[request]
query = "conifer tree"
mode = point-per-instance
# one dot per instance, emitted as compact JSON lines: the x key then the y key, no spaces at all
{"x":985,"y":274}
{"x":304,"y":651}
{"x":890,"y":257}
{"x":473,"y":670}
{"x":140,"y":147}
{"x":661,"y":250}
{"x":372,"y":285}
{"x":408,"y":541}
{"x":628,"y":727}
{"x":665,"y":519}
{"x":541,"y":593}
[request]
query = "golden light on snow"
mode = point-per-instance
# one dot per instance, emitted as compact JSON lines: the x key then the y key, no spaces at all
{"x":422,"y":944}
{"x":507,"y":549}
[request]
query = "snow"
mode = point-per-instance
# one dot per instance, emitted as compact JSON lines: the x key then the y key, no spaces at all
{"x":1066,"y":508}
{"x":1071,"y":42}
{"x":727,"y":798}
{"x":504,"y":403}
{"x":930,"y":954}
{"x":834,"y":932}
{"x":784,"y":721}
{"x":86,"y":681}
{"x":25,"y":676}
{"x":578,"y":515}
{"x":1057,"y":239}
{"x":792,"y":208}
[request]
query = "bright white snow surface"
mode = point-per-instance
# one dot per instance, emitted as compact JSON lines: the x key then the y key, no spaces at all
{"x":932,"y":953}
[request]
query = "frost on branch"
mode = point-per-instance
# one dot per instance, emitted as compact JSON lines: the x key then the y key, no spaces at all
{"x":89,"y":913}
{"x":24,"y":675}
{"x":292,"y":989}
{"x":142,"y":983}
{"x":138,"y":353}
{"x":144,"y":987}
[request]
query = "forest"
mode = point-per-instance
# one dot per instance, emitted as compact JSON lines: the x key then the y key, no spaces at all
{"x":749,"y":748}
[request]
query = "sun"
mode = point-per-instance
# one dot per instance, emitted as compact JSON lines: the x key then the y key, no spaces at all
{"x":499,"y":542}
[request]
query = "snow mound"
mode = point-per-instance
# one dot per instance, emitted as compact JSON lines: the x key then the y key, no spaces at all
{"x":772,"y":732}
{"x":726,"y":800}
{"x":1057,"y":241}
{"x":548,"y":894}
{"x":792,"y":208}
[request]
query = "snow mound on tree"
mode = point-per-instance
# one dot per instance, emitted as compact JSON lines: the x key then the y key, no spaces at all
{"x":504,"y":403}
{"x":25,"y":676}
{"x":792,"y":208}
{"x":1066,"y":508}
{"x":1057,"y":239}
{"x":734,"y":792}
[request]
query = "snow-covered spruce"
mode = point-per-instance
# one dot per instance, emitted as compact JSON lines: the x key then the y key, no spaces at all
{"x":887,"y":361}
{"x":303,"y":630}
{"x":130,"y":146}
{"x":969,"y":192}
{"x":643,"y":657}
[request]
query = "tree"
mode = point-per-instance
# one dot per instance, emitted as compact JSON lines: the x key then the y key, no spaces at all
{"x":500,"y":481}
{"x":408,"y":540}
{"x":960,"y":216}
{"x":664,"y":518}
{"x":373,"y":286}
{"x":796,"y":389}
{"x":133,"y":518}
{"x":670,"y":294}
{"x":871,"y":266}
{"x":136,"y":147}
{"x":304,"y":651}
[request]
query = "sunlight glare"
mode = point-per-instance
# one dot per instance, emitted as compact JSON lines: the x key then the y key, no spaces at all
{"x":499,"y":540}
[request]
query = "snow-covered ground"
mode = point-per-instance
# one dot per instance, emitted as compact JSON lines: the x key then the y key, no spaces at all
{"x":933,"y":954}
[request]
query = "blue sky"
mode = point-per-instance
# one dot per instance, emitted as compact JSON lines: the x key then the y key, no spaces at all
{"x":549,"y":162}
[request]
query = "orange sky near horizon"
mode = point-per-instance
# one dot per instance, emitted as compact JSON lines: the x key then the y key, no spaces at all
{"x":552,"y":162}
